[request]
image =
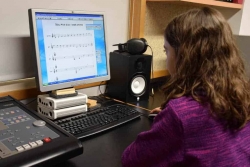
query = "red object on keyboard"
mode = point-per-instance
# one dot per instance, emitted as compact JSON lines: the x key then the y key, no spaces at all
{"x":238,"y":1}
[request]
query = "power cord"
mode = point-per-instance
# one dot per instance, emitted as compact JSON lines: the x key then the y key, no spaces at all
{"x":101,"y":97}
{"x":30,"y":101}
{"x":100,"y":88}
{"x":152,"y":69}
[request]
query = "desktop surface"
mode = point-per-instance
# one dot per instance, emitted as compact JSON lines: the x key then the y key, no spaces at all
{"x":105,"y":149}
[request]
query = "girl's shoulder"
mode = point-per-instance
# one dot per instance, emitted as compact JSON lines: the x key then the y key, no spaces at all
{"x":186,"y":107}
{"x":185,"y":102}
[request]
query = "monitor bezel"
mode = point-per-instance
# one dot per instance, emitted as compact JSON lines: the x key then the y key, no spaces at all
{"x":33,"y":32}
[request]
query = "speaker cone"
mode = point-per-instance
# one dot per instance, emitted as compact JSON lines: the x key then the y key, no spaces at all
{"x":138,"y":85}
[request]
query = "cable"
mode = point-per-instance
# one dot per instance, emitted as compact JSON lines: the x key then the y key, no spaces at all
{"x":30,"y":101}
{"x":100,"y":88}
{"x":152,"y":66}
{"x":101,"y":97}
{"x":152,"y":70}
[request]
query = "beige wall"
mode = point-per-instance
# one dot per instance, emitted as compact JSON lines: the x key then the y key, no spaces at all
{"x":158,"y":16}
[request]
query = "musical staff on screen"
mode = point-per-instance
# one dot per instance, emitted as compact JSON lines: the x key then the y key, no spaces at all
{"x":53,"y":46}
{"x":70,"y":35}
{"x":73,"y":57}
{"x":75,"y":69}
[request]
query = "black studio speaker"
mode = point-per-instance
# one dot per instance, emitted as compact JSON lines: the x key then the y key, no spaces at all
{"x":130,"y":76}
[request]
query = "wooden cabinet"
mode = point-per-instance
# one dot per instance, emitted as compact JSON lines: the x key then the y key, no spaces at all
{"x":146,"y":20}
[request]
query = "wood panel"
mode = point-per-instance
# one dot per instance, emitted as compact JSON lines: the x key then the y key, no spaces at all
{"x":205,"y":2}
{"x":33,"y":92}
{"x":160,"y":73}
{"x":137,"y":18}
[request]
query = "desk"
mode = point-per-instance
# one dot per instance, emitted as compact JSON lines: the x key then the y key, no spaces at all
{"x":105,"y":149}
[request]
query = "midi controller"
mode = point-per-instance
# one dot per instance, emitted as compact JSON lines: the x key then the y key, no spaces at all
{"x":28,"y":139}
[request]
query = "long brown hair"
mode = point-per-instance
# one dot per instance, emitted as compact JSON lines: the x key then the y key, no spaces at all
{"x":207,"y":60}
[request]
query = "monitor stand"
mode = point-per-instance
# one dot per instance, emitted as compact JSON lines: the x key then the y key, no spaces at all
{"x":62,"y":93}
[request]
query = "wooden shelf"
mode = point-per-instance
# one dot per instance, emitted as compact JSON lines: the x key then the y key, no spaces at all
{"x":205,"y":2}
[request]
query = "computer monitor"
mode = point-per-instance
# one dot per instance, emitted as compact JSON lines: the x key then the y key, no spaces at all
{"x":70,"y":48}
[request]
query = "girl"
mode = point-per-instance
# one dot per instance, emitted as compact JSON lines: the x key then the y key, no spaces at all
{"x":204,"y":119}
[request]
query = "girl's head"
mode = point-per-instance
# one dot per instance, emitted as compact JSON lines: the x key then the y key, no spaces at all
{"x":206,"y":58}
{"x":200,"y":38}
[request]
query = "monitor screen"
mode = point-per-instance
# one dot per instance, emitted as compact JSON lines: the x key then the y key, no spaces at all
{"x":70,"y":48}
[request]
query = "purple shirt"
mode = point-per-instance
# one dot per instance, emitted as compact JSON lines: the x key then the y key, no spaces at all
{"x":185,"y":134}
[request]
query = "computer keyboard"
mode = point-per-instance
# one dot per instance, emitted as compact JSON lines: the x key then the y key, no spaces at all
{"x":102,"y":119}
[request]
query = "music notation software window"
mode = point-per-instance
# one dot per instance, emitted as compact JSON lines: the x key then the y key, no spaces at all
{"x":71,"y":47}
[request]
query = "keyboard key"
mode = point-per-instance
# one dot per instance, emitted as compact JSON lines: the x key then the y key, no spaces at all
{"x":20,"y":148}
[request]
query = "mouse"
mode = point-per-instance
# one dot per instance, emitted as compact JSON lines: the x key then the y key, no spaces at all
{"x":152,"y":115}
